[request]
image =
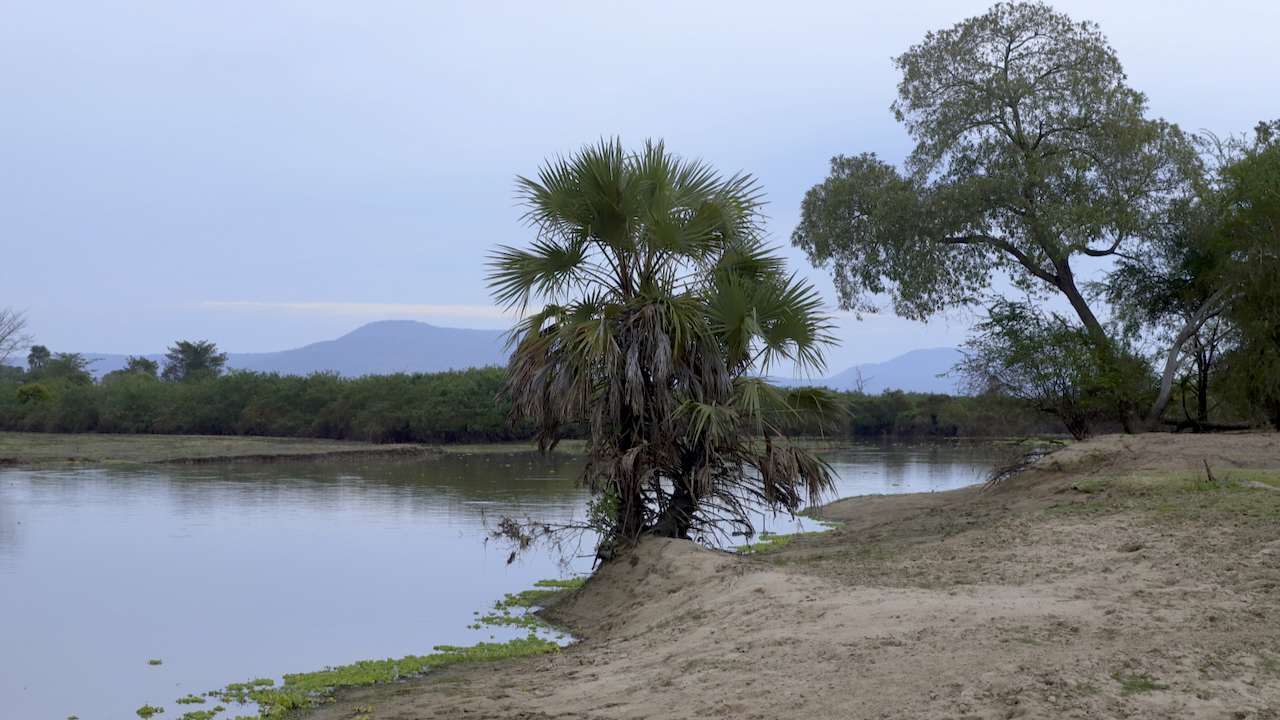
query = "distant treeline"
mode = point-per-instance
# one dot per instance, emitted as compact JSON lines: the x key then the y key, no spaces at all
{"x":447,"y":407}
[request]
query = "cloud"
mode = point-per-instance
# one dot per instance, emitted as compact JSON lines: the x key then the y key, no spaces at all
{"x":351,"y":309}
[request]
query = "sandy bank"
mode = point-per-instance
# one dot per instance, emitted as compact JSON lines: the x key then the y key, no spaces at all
{"x":1111,"y":580}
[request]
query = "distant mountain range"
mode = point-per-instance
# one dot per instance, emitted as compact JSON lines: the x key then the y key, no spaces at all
{"x":409,"y":346}
{"x":916,"y":371}
{"x":379,"y":348}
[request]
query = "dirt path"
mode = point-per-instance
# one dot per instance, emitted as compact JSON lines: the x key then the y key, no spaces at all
{"x":1112,"y":580}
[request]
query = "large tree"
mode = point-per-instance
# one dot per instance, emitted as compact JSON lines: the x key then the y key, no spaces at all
{"x":660,"y":305}
{"x":1031,"y":154}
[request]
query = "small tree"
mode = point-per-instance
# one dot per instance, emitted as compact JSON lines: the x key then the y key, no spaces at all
{"x":38,"y":356}
{"x":12,"y":337}
{"x":188,"y":361}
{"x":142,"y":366}
{"x":72,"y":368}
{"x":135,"y":367}
{"x":1051,"y":365}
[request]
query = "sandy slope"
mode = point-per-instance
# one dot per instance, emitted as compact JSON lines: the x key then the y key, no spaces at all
{"x":1032,"y":599}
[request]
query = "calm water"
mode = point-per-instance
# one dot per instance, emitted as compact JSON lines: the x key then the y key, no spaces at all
{"x":231,"y":573}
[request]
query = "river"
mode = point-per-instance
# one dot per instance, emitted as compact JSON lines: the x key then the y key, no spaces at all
{"x":232,"y":572}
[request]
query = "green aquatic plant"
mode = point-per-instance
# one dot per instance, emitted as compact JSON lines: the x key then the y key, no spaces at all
{"x":524,"y":602}
{"x":300,"y":690}
{"x":155,"y":662}
{"x":773,"y":541}
{"x":147,"y":711}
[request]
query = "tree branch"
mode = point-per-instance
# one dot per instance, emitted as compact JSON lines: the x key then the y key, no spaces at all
{"x":1005,"y":246}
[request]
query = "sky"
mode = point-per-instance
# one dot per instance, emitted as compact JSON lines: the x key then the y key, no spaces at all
{"x":266,"y":175}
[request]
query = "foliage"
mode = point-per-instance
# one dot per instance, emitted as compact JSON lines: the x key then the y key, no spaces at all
{"x":33,"y":394}
{"x":135,"y":367}
{"x":1031,"y":153}
{"x":38,"y":356}
{"x":1251,"y":232}
{"x":192,"y":361}
{"x":1055,"y":366}
{"x":660,"y":303}
{"x":447,"y":407}
{"x":455,"y":406}
{"x":70,"y":368}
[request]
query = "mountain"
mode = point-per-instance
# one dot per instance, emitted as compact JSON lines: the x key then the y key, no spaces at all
{"x":390,"y":346}
{"x":387,"y":346}
{"x":383,"y":347}
{"x":916,"y":371}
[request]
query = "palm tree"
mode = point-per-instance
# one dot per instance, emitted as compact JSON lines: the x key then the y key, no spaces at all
{"x":660,"y":301}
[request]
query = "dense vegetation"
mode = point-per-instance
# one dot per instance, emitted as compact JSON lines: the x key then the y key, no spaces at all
{"x":448,"y":407}
{"x":436,"y":408}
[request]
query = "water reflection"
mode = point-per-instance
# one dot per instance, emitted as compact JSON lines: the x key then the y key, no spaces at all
{"x":231,"y":572}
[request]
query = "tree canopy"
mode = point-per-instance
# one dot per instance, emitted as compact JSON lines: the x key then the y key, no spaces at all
{"x":1251,"y":242}
{"x":661,"y":304}
{"x":1031,"y":151}
{"x":192,"y":360}
{"x":1031,"y":154}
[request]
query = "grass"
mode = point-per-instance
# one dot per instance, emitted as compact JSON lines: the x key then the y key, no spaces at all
{"x":301,"y":690}
{"x":1173,"y":496}
{"x":1023,"y":640}
{"x":55,"y":448}
{"x":1141,"y":682}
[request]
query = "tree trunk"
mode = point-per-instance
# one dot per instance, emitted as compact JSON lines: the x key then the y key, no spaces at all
{"x":1066,"y":282}
{"x":1202,"y":386}
{"x":1197,"y":320}
{"x":677,"y":518}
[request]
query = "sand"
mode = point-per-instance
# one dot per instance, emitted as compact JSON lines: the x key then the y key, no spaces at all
{"x":1108,"y":581}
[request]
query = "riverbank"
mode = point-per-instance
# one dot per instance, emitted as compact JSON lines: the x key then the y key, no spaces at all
{"x":17,"y":449}
{"x":1114,"y":578}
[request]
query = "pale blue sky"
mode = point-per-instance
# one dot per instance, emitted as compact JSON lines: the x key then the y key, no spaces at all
{"x":269,"y":174}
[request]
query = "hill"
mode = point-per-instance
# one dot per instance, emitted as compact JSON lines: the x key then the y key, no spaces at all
{"x":915,"y":371}
{"x":378,"y":348}
{"x":384,"y":347}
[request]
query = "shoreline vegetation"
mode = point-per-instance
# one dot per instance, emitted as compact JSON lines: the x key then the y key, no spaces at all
{"x":25,"y":449}
{"x":454,"y":407}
